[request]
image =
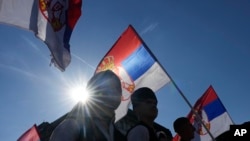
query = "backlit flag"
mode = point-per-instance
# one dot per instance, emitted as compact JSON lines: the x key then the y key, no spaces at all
{"x":136,"y":66}
{"x":30,"y":135}
{"x":52,"y":21}
{"x":213,"y":114}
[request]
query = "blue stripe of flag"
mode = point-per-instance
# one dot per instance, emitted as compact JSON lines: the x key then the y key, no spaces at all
{"x":214,"y":109}
{"x":138,"y":63}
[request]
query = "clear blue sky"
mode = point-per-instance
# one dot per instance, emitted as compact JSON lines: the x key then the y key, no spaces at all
{"x":199,"y":43}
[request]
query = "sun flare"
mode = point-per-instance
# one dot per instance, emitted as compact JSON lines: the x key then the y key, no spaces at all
{"x":79,"y":94}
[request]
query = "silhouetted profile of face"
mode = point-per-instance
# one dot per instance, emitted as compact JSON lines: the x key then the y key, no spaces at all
{"x":105,"y":94}
{"x":144,"y":103}
{"x":184,"y":128}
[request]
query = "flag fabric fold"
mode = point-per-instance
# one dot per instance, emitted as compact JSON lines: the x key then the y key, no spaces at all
{"x":213,"y":114}
{"x":135,"y":65}
{"x":30,"y":135}
{"x":52,"y":21}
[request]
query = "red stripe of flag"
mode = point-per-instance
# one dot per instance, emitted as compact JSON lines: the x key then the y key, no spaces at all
{"x":124,"y":46}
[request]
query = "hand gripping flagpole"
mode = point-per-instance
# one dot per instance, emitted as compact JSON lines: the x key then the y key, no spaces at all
{"x":178,"y":89}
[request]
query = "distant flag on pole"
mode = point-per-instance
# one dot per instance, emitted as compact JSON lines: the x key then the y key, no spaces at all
{"x":30,"y":135}
{"x":52,"y":21}
{"x":136,"y":66}
{"x":214,"y":115}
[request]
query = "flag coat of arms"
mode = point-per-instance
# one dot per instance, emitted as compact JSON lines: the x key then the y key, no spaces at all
{"x":135,"y":65}
{"x":213,"y":114}
{"x":52,"y":21}
{"x":30,"y":135}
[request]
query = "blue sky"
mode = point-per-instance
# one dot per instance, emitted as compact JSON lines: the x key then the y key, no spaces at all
{"x":199,"y":43}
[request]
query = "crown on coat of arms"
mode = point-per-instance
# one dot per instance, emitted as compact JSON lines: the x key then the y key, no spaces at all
{"x":106,"y":64}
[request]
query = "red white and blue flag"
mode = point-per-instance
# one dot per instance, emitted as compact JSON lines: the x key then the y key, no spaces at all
{"x":213,"y":114}
{"x":136,"y":66}
{"x":52,"y":21}
{"x":30,"y":135}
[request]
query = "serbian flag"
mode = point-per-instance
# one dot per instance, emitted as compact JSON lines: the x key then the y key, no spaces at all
{"x":213,"y":114}
{"x":136,"y":66}
{"x":52,"y":21}
{"x":30,"y":135}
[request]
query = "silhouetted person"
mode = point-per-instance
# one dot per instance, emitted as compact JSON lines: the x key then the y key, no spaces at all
{"x":184,"y":128}
{"x":144,"y":104}
{"x":93,"y":121}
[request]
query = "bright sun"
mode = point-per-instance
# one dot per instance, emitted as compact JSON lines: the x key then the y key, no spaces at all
{"x":79,"y":94}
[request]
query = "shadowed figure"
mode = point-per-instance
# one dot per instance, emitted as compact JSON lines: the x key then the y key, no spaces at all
{"x":94,"y":120}
{"x":184,"y":128}
{"x":144,"y":103}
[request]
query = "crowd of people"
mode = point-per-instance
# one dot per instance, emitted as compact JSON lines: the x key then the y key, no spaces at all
{"x":94,"y":121}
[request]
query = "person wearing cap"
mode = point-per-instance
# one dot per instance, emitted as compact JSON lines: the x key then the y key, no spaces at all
{"x":144,"y":103}
{"x":184,"y":128}
{"x":94,"y":120}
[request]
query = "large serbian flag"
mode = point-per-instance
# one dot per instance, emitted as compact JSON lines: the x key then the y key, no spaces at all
{"x":136,"y":66}
{"x":213,"y":114}
{"x":52,"y":21}
{"x":30,"y":135}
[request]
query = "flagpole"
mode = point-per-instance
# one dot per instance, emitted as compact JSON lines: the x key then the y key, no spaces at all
{"x":178,"y":89}
{"x":189,"y":104}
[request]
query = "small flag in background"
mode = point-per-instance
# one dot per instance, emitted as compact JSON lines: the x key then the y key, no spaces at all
{"x":136,"y":66}
{"x":30,"y":135}
{"x":52,"y":21}
{"x":213,"y":114}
